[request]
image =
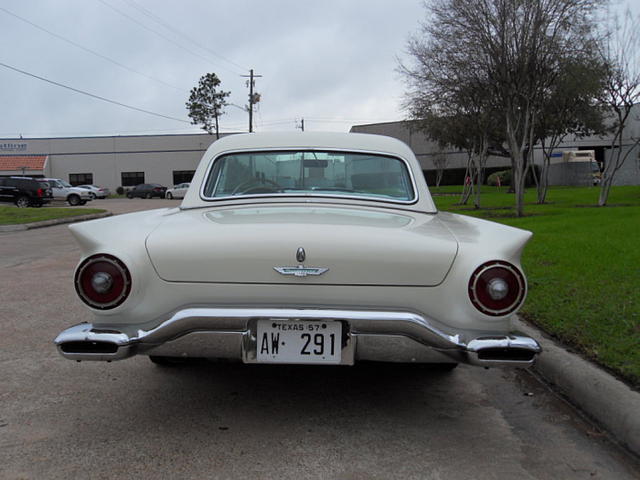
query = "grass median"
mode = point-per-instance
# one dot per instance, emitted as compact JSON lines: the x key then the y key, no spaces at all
{"x":10,"y":215}
{"x":583,"y":267}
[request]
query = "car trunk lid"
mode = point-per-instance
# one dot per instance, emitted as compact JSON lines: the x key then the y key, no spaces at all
{"x":356,"y":246}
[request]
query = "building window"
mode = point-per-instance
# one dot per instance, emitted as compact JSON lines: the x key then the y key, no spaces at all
{"x":81,"y":179}
{"x":131,"y":179}
{"x":182,"y":176}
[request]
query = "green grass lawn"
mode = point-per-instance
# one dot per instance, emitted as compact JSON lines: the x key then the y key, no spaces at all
{"x":10,"y":215}
{"x":583,"y":267}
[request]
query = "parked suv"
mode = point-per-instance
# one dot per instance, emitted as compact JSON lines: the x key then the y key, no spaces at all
{"x":147,"y":190}
{"x":25,"y":191}
{"x":64,"y":191}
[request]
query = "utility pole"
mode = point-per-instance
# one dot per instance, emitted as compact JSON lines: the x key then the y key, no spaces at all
{"x":301,"y":126}
{"x":253,"y":98}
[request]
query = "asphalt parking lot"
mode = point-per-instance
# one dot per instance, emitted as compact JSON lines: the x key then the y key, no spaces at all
{"x":132,"y":419}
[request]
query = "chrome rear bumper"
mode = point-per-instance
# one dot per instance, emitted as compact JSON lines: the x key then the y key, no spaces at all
{"x":230,"y":333}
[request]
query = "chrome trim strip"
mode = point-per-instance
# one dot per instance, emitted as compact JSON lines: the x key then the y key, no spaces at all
{"x":134,"y":339}
{"x":413,"y":200}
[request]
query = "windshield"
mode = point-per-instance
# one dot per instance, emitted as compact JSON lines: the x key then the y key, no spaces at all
{"x":66,"y":184}
{"x":310,"y":172}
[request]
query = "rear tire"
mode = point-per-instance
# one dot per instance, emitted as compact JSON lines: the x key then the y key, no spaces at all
{"x":23,"y":202}
{"x":73,"y":200}
{"x":443,"y":367}
{"x":147,"y":195}
{"x":171,"y":362}
{"x":92,"y":195}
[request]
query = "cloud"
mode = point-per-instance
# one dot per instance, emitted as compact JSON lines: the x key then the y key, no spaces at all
{"x":331,"y":62}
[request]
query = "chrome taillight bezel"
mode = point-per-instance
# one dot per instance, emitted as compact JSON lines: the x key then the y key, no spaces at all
{"x":90,"y":298}
{"x":478,"y":279}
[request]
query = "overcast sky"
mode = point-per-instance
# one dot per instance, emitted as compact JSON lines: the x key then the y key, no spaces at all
{"x":331,"y":62}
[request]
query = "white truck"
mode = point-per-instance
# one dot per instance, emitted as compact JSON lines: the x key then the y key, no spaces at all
{"x":67,"y":193}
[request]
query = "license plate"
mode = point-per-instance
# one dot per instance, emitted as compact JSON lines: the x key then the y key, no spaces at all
{"x":288,"y":341}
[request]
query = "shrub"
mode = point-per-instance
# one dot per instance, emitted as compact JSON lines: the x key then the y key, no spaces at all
{"x":504,"y":175}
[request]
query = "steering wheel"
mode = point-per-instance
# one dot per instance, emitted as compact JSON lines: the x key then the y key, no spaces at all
{"x":257,"y":186}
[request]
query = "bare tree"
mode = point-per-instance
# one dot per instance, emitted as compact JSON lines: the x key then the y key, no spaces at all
{"x":453,"y":106}
{"x":621,"y":90}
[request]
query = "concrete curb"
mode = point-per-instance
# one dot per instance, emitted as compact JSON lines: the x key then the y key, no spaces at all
{"x":608,"y":400}
{"x":55,"y":221}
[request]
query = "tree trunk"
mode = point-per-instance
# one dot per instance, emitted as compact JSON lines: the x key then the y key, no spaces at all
{"x":468,"y":186}
{"x":543,"y":183}
{"x":439,"y":173}
{"x":605,"y":188}
{"x":466,"y":193}
{"x":519,"y":175}
{"x":612,"y":165}
{"x":476,"y":201}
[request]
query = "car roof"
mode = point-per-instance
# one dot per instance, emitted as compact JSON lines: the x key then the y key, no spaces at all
{"x":329,"y":140}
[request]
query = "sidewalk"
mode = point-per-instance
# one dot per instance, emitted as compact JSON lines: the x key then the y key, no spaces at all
{"x":609,"y":401}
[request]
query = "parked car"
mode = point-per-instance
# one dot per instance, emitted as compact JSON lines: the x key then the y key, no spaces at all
{"x":147,"y":190}
{"x":302,"y":248}
{"x":96,"y":191}
{"x":178,"y":191}
{"x":64,"y":191}
{"x":25,"y":191}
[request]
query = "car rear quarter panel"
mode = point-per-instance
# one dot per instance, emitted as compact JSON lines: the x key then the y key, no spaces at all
{"x":153,"y":299}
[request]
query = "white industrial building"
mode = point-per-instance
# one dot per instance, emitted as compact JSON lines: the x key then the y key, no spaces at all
{"x":106,"y":161}
{"x":113,"y":161}
{"x":560,"y":174}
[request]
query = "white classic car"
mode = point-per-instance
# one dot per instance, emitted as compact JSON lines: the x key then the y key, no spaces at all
{"x":301,"y":248}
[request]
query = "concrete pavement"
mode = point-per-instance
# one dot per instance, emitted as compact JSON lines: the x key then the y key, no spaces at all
{"x":61,"y":419}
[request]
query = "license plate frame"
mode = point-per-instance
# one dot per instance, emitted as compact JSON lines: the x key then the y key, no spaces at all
{"x":285,"y":341}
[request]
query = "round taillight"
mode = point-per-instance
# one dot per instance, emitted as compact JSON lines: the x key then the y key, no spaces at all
{"x":497,"y":288}
{"x":103,"y":281}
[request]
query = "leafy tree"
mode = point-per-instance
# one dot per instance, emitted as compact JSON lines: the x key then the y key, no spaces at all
{"x":206,"y":103}
{"x":509,"y":53}
{"x":440,"y":161}
{"x":570,"y":107}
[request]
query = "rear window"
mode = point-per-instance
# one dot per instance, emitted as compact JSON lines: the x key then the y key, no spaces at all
{"x":315,"y":173}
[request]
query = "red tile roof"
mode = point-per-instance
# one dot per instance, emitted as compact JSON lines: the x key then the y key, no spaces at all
{"x":16,"y":162}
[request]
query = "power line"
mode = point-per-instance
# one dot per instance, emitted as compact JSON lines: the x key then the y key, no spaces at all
{"x":168,"y":26}
{"x":92,"y":95}
{"x":120,"y":12}
{"x":93,"y":52}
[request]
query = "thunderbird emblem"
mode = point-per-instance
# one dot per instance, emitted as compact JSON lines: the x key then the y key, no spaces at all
{"x":300,"y":270}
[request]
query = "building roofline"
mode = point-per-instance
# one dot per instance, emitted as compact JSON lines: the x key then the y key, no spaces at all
{"x":382,"y":123}
{"x":18,"y":139}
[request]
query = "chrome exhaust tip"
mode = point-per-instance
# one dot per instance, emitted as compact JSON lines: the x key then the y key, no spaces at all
{"x":510,"y":350}
{"x":83,"y":342}
{"x":99,"y":347}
